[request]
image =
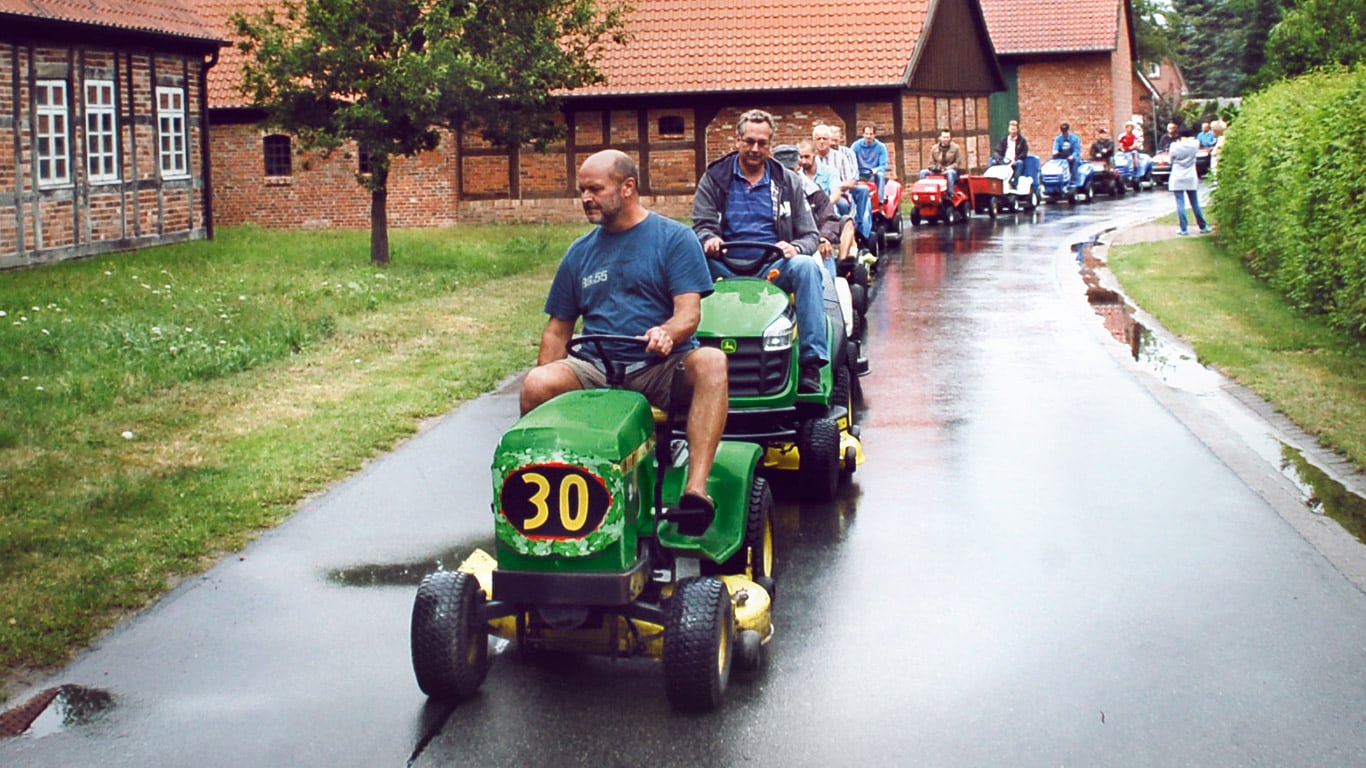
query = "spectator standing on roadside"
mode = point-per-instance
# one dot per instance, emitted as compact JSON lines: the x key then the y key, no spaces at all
{"x":1184,"y":182}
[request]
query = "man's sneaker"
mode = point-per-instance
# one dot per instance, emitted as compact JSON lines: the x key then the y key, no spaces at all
{"x":810,"y":380}
{"x":1205,"y":230}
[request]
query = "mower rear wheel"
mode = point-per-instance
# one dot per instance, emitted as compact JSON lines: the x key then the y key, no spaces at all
{"x":698,"y":644}
{"x":818,"y":446}
{"x":449,"y":643}
{"x":755,"y":558}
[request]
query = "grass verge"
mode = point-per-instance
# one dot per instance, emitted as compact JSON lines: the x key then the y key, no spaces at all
{"x":162,"y":407}
{"x":1313,"y":374}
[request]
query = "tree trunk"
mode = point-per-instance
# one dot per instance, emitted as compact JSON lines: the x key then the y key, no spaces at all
{"x":379,"y":218}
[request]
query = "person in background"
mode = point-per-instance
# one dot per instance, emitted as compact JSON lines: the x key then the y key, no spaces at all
{"x":1206,"y":136}
{"x":1217,"y":127}
{"x":828,"y":222}
{"x":1184,"y":182}
{"x":945,"y":157}
{"x":850,"y":197}
{"x":636,"y":274}
{"x":1164,"y":142}
{"x":1012,"y":150}
{"x":1068,"y":145}
{"x":1103,"y":148}
{"x":871,"y":155}
{"x":1132,"y":142}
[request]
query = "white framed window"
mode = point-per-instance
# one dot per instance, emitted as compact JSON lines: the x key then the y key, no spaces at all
{"x":172,"y":150}
{"x":1154,"y":70}
{"x":52,"y":133}
{"x":101,"y":132}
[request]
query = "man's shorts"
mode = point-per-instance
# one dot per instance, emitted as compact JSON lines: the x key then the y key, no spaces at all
{"x":653,"y":381}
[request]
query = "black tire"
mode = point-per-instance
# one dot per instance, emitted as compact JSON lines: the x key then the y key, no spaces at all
{"x":858,"y":300}
{"x":859,"y":275}
{"x":1034,"y":200}
{"x":755,"y":558}
{"x":842,"y":393}
{"x":1119,"y":188}
{"x":915,"y":217}
{"x":698,"y":644}
{"x":818,"y":445}
{"x":898,"y":226}
{"x":450,"y":644}
{"x":963,"y":213}
{"x":992,"y":207}
{"x":880,"y":237}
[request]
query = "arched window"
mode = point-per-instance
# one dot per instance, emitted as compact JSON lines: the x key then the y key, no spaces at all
{"x":277,"y":156}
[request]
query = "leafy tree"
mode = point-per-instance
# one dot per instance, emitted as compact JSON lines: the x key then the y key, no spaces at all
{"x":387,"y":74}
{"x":1265,"y":15}
{"x":1313,"y":34}
{"x":1211,"y":36}
{"x":1152,"y":31}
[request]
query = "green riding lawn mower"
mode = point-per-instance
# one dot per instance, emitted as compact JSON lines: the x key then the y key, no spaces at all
{"x":812,"y":435}
{"x":594,"y":553}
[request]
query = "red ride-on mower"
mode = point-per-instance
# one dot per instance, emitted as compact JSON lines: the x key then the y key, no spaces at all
{"x":886,"y":209}
{"x":932,"y":200}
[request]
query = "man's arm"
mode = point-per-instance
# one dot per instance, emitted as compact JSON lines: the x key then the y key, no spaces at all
{"x":679,"y":327}
{"x":553,"y":340}
{"x":706,"y":214}
{"x":804,"y":235}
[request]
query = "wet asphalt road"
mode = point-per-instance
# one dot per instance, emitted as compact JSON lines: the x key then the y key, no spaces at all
{"x":1050,"y":558}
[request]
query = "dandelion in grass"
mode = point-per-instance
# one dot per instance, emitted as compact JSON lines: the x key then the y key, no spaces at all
{"x":128,"y":434}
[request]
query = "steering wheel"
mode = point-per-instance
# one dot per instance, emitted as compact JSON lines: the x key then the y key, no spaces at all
{"x":748,"y":267}
{"x":615,"y":369}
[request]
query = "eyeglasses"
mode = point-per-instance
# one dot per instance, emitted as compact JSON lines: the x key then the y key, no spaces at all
{"x":754,"y":142}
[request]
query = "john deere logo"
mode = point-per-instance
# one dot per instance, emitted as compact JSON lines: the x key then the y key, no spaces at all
{"x":729,"y":346}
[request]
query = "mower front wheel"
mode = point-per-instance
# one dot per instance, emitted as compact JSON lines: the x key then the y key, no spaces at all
{"x":449,"y":643}
{"x":698,"y":644}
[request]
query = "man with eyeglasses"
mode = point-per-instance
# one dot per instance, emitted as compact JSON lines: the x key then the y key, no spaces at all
{"x":747,"y":195}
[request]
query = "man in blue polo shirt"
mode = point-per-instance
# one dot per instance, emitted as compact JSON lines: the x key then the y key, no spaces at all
{"x":747,"y":195}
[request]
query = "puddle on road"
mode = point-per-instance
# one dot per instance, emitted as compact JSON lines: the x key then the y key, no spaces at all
{"x":1167,"y":361}
{"x":405,"y":574}
{"x":1177,"y":367}
{"x":1323,"y":495}
{"x":55,"y":710}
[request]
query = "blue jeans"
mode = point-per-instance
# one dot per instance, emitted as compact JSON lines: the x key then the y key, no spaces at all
{"x":803,"y":277}
{"x":951,"y":174}
{"x":862,"y":209}
{"x":1181,"y":196}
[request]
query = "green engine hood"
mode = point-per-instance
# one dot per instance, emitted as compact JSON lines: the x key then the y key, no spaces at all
{"x":741,"y":307}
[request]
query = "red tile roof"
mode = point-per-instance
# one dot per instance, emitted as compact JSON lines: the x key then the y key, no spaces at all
{"x":225,"y":76}
{"x":690,"y":46}
{"x":686,"y":46}
{"x":1048,"y":26}
{"x":175,"y":18}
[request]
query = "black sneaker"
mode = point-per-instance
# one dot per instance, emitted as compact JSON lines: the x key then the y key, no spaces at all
{"x":810,"y":381}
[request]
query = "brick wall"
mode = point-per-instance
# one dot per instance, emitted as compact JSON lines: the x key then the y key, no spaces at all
{"x":482,"y":182}
{"x":1077,"y":90}
{"x":47,"y":222}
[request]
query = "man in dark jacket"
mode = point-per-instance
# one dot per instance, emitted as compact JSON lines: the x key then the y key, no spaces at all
{"x":747,"y":195}
{"x":1012,"y":150}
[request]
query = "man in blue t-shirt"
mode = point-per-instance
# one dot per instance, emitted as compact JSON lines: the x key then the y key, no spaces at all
{"x":872,"y":158}
{"x":637,"y":274}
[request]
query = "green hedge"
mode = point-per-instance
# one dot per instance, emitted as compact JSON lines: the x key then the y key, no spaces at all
{"x":1292,"y":192}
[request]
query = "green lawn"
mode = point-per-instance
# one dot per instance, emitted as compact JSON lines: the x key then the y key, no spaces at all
{"x":1313,"y":374}
{"x":159,"y":408}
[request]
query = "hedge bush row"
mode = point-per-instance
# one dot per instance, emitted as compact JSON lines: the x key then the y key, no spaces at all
{"x":1292,"y":192}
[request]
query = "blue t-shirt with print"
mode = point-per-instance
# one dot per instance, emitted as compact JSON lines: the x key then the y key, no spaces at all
{"x":625,"y":282}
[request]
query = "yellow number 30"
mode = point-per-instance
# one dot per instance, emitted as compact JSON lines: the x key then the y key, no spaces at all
{"x":572,"y":502}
